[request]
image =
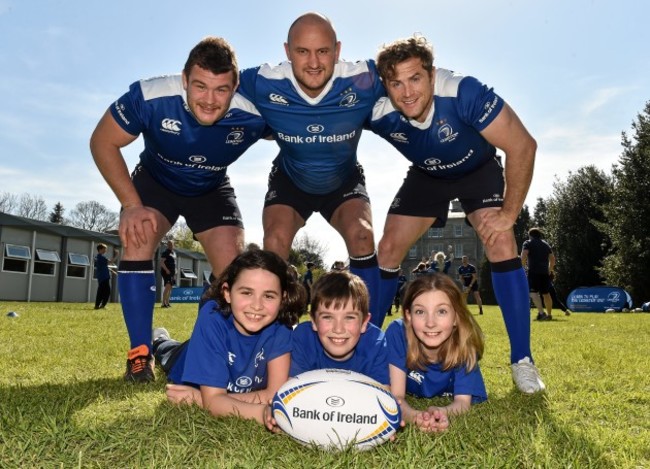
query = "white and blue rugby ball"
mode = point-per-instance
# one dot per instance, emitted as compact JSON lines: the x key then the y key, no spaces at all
{"x":336,"y":409}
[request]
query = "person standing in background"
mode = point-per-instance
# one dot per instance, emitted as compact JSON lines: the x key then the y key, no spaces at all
{"x":103,"y":275}
{"x":168,"y":272}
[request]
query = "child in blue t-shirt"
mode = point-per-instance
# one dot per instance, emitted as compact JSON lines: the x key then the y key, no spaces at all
{"x":434,"y":351}
{"x":239,"y":352}
{"x":339,"y":334}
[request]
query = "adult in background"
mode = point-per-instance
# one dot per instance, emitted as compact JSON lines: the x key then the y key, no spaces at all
{"x":537,"y":256}
{"x":468,"y":276}
{"x":103,"y":275}
{"x":316,"y":106}
{"x":194,"y":125}
{"x":168,"y":272}
{"x":308,"y":280}
{"x":449,"y":126}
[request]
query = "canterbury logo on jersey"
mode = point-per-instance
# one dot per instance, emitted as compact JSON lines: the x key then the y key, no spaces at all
{"x":399,"y":136}
{"x":171,"y":125}
{"x":278,"y":99}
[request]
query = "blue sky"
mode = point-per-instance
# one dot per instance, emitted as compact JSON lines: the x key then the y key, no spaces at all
{"x":576,"y":72}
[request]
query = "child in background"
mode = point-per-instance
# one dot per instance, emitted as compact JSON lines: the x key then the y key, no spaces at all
{"x":239,"y":352}
{"x":339,"y":334}
{"x":434,"y":351}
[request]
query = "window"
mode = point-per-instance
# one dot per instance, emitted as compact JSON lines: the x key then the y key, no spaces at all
{"x":18,"y":252}
{"x":435,"y":233}
{"x":16,"y":258}
{"x":77,"y":265}
{"x":187,"y":273}
{"x":413,"y":252}
{"x":458,"y":230}
{"x":458,"y":251}
{"x":45,"y":262}
{"x":435,"y":249}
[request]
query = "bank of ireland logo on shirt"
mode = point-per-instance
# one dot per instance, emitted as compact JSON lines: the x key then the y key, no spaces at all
{"x":171,"y":126}
{"x":315,"y":128}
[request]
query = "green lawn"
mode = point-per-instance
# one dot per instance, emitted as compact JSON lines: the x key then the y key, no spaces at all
{"x":63,"y":402}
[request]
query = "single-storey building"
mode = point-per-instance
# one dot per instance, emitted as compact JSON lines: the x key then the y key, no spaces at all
{"x":42,"y":261}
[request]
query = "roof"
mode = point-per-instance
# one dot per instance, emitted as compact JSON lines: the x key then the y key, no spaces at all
{"x":39,"y":226}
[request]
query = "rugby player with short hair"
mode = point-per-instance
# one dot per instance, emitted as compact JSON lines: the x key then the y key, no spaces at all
{"x":194,"y":125}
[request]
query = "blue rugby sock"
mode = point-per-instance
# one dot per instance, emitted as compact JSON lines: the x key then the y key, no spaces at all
{"x":137,"y":285}
{"x":511,"y":291}
{"x":388,"y":289}
{"x":367,"y":268}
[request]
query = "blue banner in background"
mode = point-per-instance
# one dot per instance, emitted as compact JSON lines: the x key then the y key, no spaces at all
{"x":186,"y":294}
{"x":598,"y":299}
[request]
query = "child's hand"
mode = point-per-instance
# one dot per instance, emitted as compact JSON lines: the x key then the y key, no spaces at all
{"x":269,"y":422}
{"x":438,"y":420}
{"x":181,"y":394}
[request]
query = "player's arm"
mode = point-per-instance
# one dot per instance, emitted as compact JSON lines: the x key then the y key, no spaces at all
{"x":474,"y":279}
{"x":524,"y":257}
{"x":105,"y":145}
{"x":551,"y":262}
{"x":508,"y":133}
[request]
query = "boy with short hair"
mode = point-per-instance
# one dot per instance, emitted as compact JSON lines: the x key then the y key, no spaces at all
{"x":339,"y":334}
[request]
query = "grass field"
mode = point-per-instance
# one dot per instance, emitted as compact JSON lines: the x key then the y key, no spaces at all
{"x":63,"y":402}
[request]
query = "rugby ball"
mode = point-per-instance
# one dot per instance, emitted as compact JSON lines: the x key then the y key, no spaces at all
{"x":336,"y":409}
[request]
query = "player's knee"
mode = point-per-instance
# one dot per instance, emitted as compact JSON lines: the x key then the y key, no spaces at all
{"x":389,"y":252}
{"x":360,"y":239}
{"x":278,"y":243}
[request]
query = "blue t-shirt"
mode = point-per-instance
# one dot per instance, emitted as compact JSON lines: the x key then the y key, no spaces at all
{"x":220,"y":356}
{"x":318,"y":137}
{"x":538,"y":254}
{"x":466,"y":273}
{"x":448,"y":144}
{"x":434,"y":381}
{"x":101,"y":268}
{"x":370,"y":356}
{"x":184,"y":156}
{"x":445,"y":269}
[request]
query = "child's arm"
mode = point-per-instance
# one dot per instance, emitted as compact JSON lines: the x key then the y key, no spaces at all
{"x":410,"y":415}
{"x":459,"y":405}
{"x":278,"y":374}
{"x":219,"y":403}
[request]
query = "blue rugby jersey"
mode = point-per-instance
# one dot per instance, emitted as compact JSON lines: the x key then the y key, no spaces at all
{"x":448,"y":144}
{"x":318,"y":137}
{"x":184,"y":156}
{"x":220,"y":356}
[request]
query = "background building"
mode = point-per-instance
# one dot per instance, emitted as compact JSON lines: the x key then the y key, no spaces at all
{"x":42,"y":261}
{"x":456,"y":233}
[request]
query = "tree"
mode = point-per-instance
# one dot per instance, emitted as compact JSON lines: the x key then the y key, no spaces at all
{"x":8,"y":202}
{"x":93,"y":216}
{"x":575,"y":211}
{"x":183,"y":237}
{"x":628,"y":214}
{"x":32,"y":206}
{"x":56,"y":216}
{"x":306,"y":249}
{"x":522,"y":225}
{"x":540,"y":213}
